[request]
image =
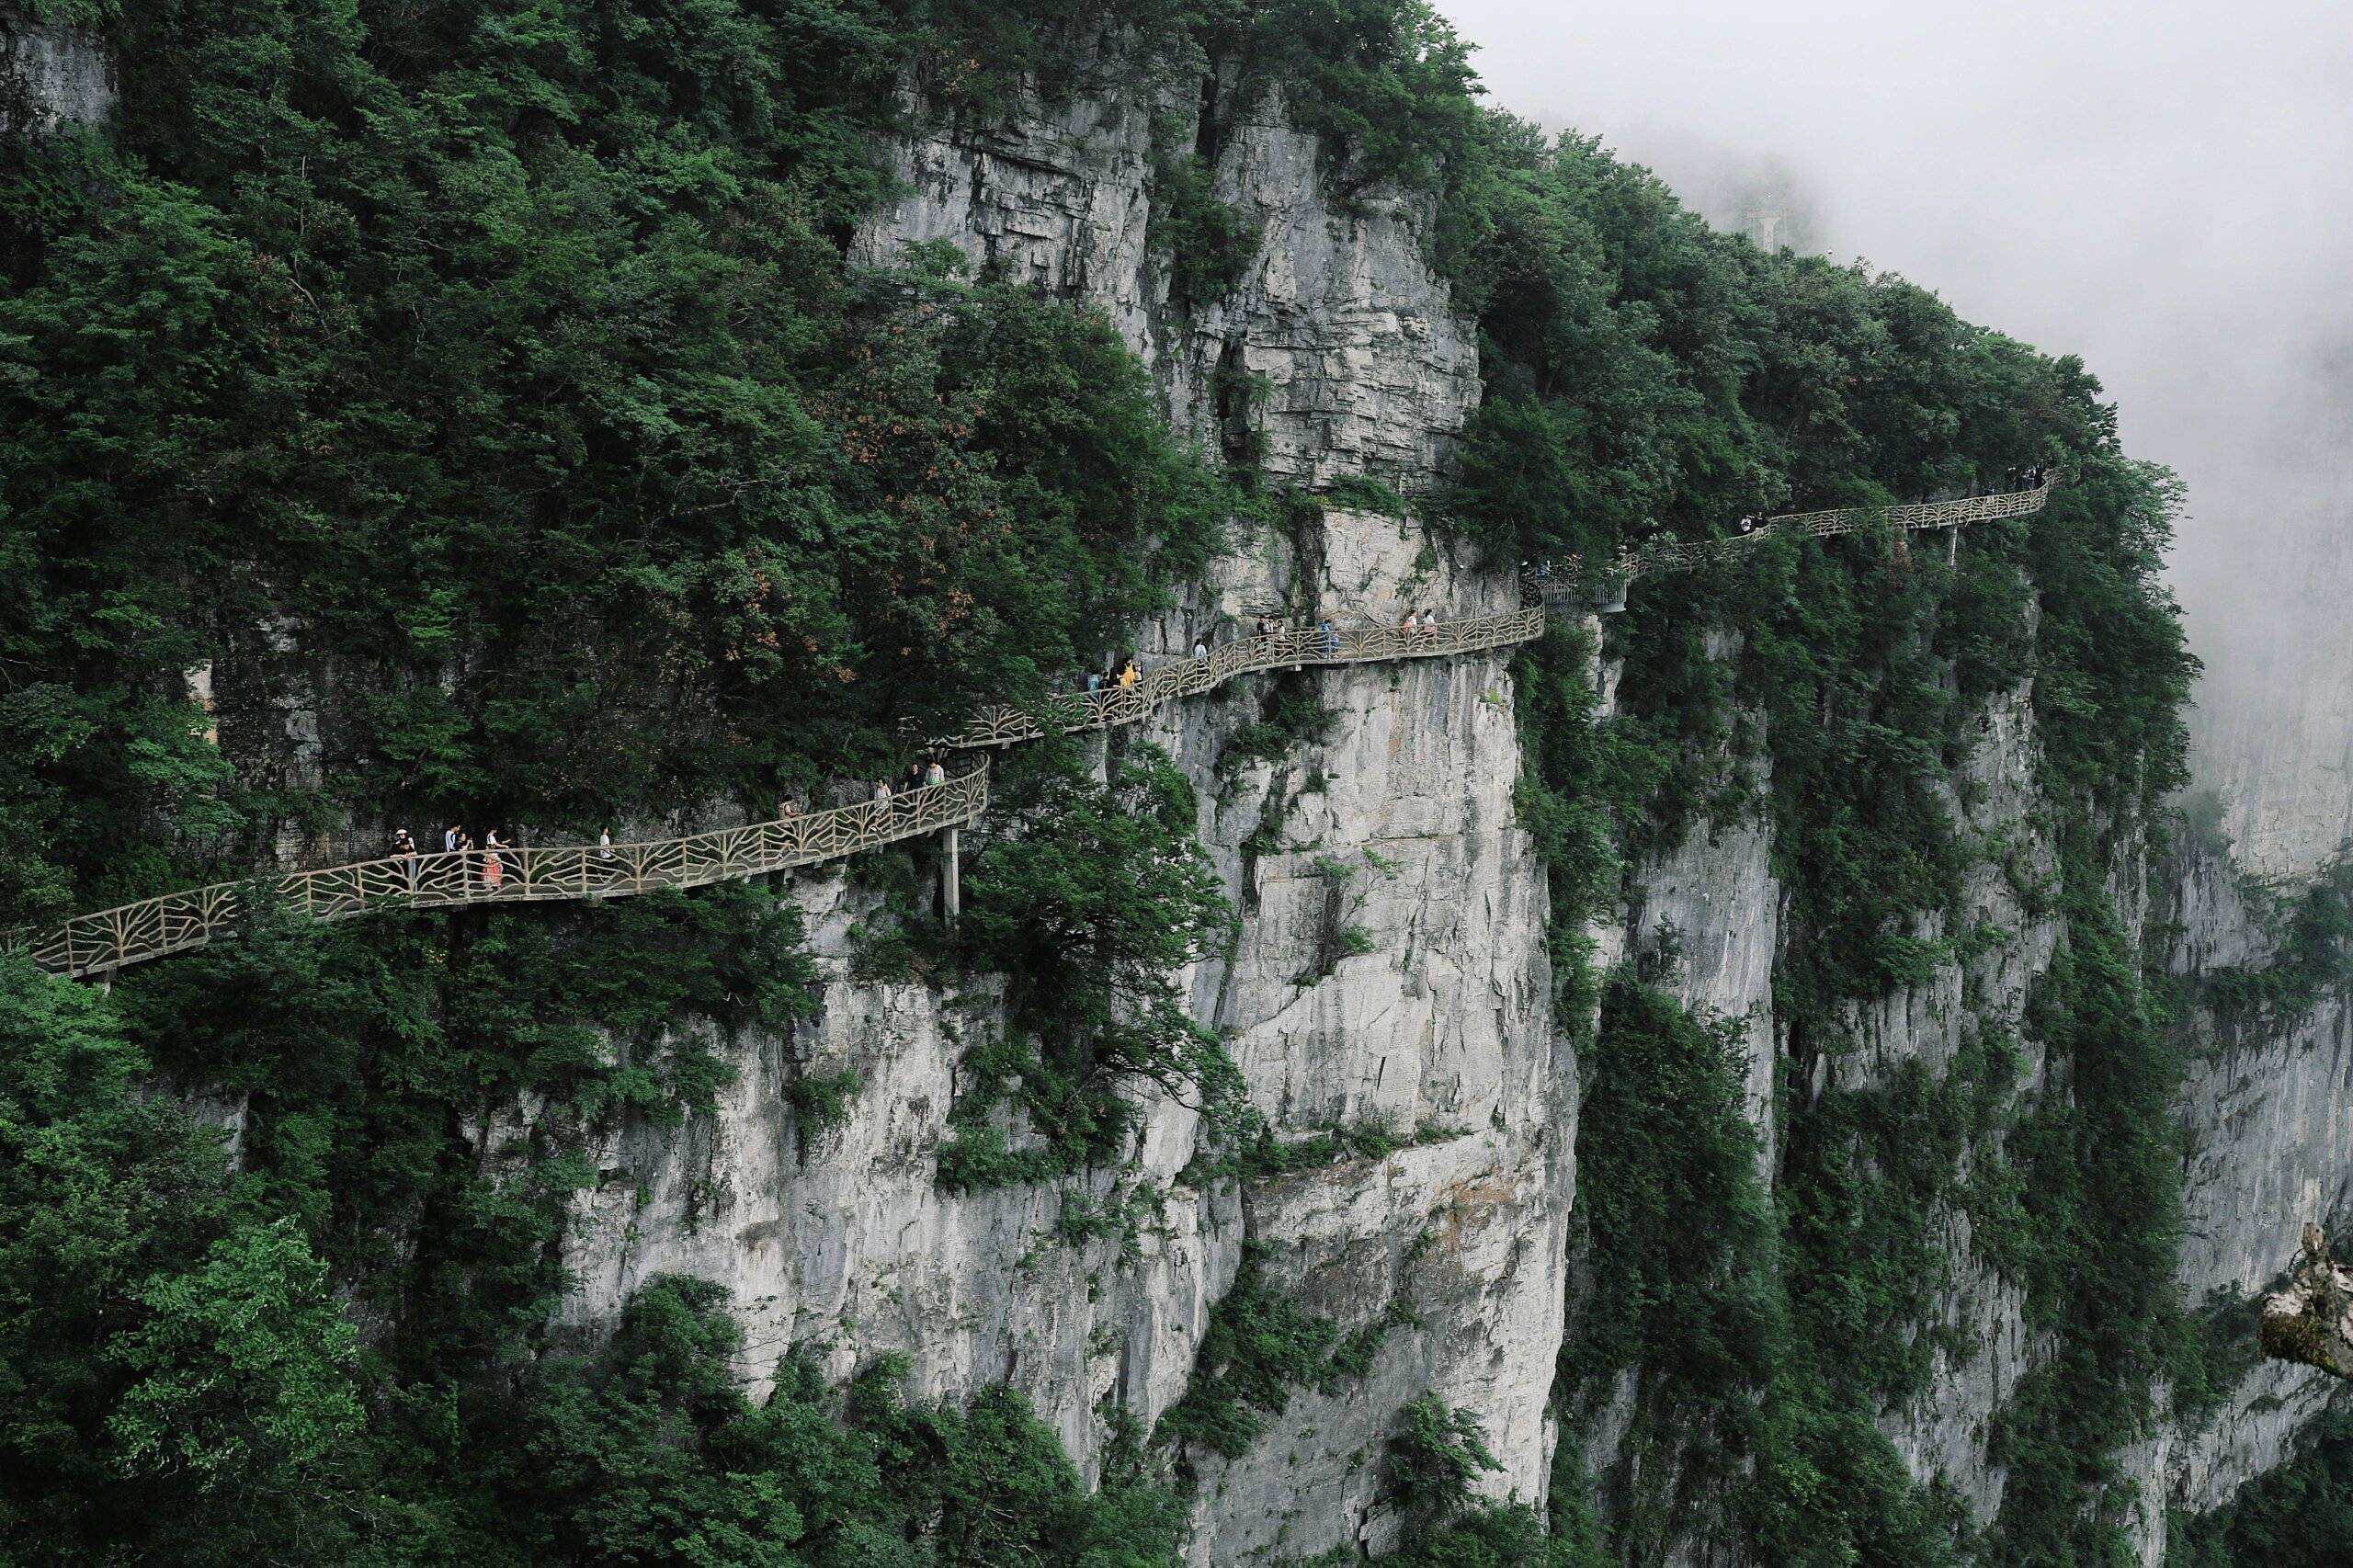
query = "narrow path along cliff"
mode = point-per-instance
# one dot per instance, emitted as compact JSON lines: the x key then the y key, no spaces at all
{"x":178,"y":922}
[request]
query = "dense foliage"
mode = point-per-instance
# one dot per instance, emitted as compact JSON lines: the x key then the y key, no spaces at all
{"x":1648,"y":377}
{"x":2300,"y":1516}
{"x":1091,"y":899}
{"x":499,"y":373}
{"x":510,"y":358}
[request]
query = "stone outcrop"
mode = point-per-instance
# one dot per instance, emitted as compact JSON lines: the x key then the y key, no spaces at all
{"x":2310,"y":1319}
{"x":1400,"y":824}
{"x":2268,"y":1109}
{"x":1337,"y":346}
{"x":50,"y":75}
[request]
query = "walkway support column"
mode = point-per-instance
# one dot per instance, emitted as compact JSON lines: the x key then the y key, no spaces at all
{"x":951,"y":888}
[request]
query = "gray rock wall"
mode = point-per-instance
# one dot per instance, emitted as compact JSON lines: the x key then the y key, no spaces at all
{"x":1364,"y":367}
{"x":1400,"y":823}
{"x":50,"y":75}
{"x":2268,"y":1109}
{"x":2268,"y":1112}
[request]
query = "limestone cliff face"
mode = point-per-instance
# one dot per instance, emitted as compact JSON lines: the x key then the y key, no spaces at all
{"x":2268,"y":1103}
{"x":1362,"y":366}
{"x":2268,"y":1109}
{"x":50,"y":75}
{"x":1719,"y":893}
{"x":1399,"y":825}
{"x":844,"y":1241}
{"x":2268,"y":1112}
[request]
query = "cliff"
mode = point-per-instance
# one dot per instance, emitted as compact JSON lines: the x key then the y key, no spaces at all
{"x":1422,"y":1003}
{"x":1397,"y":823}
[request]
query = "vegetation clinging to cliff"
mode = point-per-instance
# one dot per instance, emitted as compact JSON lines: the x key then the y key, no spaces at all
{"x":516,"y":371}
{"x":516,"y":367}
{"x":1646,"y":376}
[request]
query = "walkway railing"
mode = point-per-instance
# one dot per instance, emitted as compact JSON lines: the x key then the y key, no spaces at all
{"x":1677,"y":555}
{"x":177,"y":922}
{"x":1290,"y":648}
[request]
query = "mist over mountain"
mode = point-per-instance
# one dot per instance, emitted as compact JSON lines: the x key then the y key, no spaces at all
{"x":2164,"y":190}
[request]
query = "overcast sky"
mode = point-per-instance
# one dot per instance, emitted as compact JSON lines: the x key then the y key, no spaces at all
{"x":2164,"y":188}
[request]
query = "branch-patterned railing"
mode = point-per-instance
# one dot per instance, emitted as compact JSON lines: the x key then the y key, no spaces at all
{"x":177,"y":922}
{"x":1290,"y":648}
{"x":1679,"y":555}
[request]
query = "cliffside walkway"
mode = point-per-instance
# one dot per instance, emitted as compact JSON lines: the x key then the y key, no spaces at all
{"x":157,"y":927}
{"x":1571,"y":578}
{"x":1290,"y":648}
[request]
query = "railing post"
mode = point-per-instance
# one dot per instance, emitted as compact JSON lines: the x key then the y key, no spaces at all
{"x":951,"y":890}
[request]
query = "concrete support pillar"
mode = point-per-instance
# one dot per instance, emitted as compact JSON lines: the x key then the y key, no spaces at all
{"x":951,"y":886}
{"x":1952,"y":546}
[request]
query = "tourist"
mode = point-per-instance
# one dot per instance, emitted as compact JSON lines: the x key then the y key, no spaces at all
{"x":405,"y":851}
{"x":1331,"y":638}
{"x":1128,"y":675}
{"x":1094,"y":682}
{"x":449,"y":839}
{"x":493,"y":868}
{"x":1201,"y":652}
{"x":935,"y":773}
{"x":882,"y":789}
{"x":1748,"y":523}
{"x":1430,"y":623}
{"x":605,"y":842}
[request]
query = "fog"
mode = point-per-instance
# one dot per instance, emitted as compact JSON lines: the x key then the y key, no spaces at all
{"x":2164,"y":188}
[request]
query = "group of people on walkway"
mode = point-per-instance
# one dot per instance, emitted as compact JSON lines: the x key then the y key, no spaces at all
{"x":1126,"y":672}
{"x":1123,"y":673}
{"x":485,"y":863}
{"x":922,"y":773}
{"x":1326,"y":638}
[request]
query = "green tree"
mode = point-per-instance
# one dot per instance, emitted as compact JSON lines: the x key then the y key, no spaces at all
{"x":241,"y":1368}
{"x":1092,"y":901}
